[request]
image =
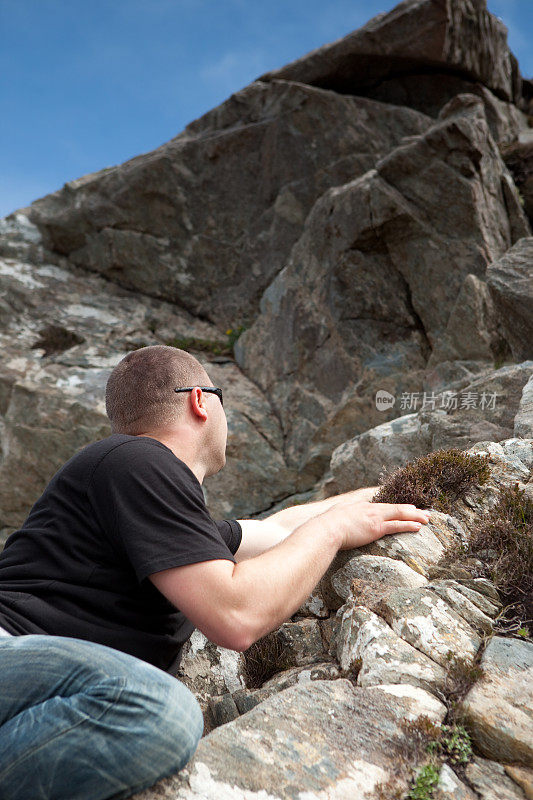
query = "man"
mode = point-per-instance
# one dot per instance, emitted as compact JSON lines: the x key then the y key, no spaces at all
{"x":119,"y":561}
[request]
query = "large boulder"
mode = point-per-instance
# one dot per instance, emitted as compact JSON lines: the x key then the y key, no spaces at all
{"x":519,"y":159}
{"x":499,"y":707}
{"x":369,"y":288}
{"x":318,"y":740}
{"x":422,"y":52}
{"x":208,"y":219}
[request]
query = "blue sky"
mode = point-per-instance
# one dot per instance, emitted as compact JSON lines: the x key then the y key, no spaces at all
{"x":88,"y":84}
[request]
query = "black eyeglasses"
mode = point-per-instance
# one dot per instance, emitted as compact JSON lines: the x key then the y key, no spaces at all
{"x":212,"y":389}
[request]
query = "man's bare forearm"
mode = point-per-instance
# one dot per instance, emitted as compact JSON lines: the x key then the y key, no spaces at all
{"x":272,"y":586}
{"x":293,"y":516}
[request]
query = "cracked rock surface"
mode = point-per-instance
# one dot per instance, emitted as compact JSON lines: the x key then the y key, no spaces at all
{"x":362,"y":217}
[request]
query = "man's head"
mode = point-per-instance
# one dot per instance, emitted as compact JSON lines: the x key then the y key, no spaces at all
{"x":140,"y":400}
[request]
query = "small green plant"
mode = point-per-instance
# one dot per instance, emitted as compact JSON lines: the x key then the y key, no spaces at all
{"x":454,"y":744}
{"x":218,"y":348}
{"x":233,"y":334}
{"x":424,"y":783}
{"x":435,"y":480}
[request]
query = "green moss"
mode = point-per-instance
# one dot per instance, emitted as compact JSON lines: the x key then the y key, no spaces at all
{"x":218,"y":348}
{"x":233,"y":334}
{"x":435,"y":480}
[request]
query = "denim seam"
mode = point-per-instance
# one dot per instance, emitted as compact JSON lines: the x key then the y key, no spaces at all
{"x":66,"y":730}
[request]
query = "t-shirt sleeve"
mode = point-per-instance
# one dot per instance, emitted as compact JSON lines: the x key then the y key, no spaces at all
{"x":231,"y":532}
{"x":152,"y":507}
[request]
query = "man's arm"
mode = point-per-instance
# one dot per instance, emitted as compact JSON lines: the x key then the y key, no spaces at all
{"x":236,"y":604}
{"x":258,"y":535}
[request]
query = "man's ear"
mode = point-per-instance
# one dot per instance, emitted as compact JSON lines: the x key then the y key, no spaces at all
{"x":197,"y":403}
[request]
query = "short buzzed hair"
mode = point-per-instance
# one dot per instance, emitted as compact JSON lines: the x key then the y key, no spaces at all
{"x":140,"y":390}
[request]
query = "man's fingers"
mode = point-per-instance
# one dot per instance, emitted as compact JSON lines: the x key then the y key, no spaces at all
{"x":399,"y":526}
{"x":401,"y":511}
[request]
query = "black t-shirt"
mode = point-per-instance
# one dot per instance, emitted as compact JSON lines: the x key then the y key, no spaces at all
{"x":118,"y":510}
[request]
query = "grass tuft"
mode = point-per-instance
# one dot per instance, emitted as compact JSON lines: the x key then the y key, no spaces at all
{"x":56,"y":339}
{"x":264,"y":659}
{"x":435,"y":480}
{"x":504,"y":537}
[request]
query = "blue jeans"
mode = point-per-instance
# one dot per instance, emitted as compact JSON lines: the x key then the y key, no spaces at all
{"x":82,"y":721}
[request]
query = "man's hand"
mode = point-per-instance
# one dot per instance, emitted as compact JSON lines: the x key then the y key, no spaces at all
{"x":292,"y":517}
{"x":361,"y":522}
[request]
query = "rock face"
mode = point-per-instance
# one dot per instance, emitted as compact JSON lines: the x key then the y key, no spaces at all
{"x":510,"y":280}
{"x":359,"y":220}
{"x":369,"y":287}
{"x":208,"y":219}
{"x":61,"y":332}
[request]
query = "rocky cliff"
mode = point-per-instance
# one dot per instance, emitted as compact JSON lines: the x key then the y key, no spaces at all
{"x":345,"y":245}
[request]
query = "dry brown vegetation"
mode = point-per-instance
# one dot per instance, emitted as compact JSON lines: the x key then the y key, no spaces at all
{"x":435,"y":480}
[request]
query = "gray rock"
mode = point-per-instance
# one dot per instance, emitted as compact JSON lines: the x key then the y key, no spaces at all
{"x":318,"y":740}
{"x":523,"y":421}
{"x":356,"y":294}
{"x":487,"y":607}
{"x":479,"y":621}
{"x":430,"y":624}
{"x":506,"y":470}
{"x":390,"y":56}
{"x":491,"y":782}
{"x":510,"y":280}
{"x":420,"y":550}
{"x":518,"y":157}
{"x":187,"y":221}
{"x":473,"y":328}
{"x":301,"y":642}
{"x":369,"y":648}
{"x":223,"y":709}
{"x":211,"y":671}
{"x":450,"y":787}
{"x":418,"y":702}
{"x":313,"y":672}
{"x":376,"y":573}
{"x":499,"y":707}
